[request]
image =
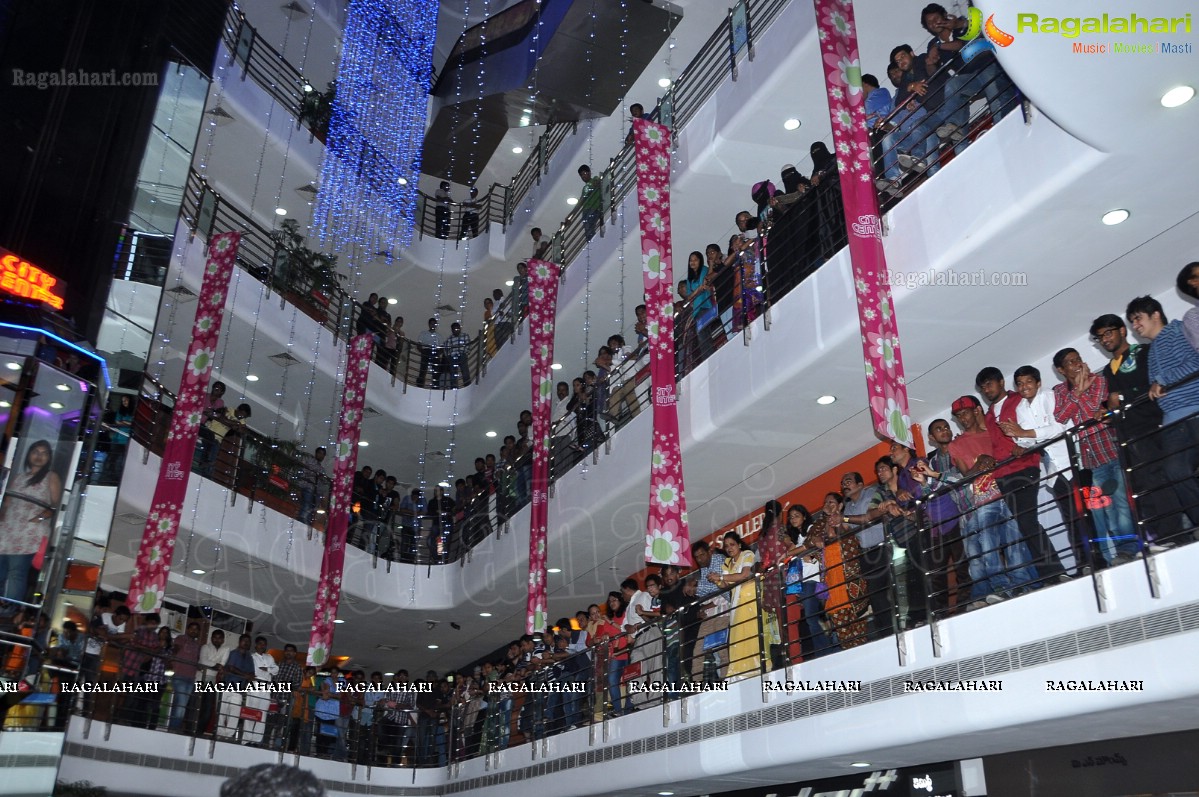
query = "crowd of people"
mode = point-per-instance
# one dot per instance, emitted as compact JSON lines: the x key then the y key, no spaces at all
{"x":930,"y":111}
{"x":967,"y":516}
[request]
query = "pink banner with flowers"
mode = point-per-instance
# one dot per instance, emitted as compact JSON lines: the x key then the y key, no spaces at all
{"x":543,"y":309}
{"x":666,"y":538}
{"x":876,"y":312}
{"x":328,"y":589}
{"x":153,"y":565}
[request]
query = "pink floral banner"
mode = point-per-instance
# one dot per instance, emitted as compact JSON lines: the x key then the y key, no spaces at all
{"x":876,"y":312}
{"x":328,"y":590}
{"x":543,"y":308}
{"x":666,"y":538}
{"x":148,"y":583}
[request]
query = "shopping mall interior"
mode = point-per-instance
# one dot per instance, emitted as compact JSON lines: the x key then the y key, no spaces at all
{"x":1048,"y":186}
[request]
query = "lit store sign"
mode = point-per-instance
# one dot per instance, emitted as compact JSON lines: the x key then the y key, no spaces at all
{"x":21,"y":278}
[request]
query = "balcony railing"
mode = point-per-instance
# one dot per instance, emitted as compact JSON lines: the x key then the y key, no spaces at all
{"x":267,"y":67}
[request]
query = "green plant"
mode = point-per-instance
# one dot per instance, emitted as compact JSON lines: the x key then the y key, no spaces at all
{"x":316,"y":109}
{"x":80,"y":788}
{"x":299,"y":268}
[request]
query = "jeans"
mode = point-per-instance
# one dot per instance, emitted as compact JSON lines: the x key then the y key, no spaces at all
{"x":1179,"y":445}
{"x":307,"y":504}
{"x":1020,"y":492}
{"x":876,"y":569}
{"x":1110,"y":511}
{"x":615,"y":670}
{"x":181,"y":693}
{"x":459,"y":370}
{"x":990,"y":530}
{"x":917,"y":136}
{"x":992,"y":81}
{"x":591,"y":221}
{"x":14,"y":575}
{"x":812,"y":610}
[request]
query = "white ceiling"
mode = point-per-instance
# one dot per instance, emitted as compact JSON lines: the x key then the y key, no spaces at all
{"x":1039,"y":215}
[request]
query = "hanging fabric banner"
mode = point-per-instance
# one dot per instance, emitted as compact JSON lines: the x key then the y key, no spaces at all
{"x":876,"y":312}
{"x":666,"y":538}
{"x":543,"y":308}
{"x":153,"y":565}
{"x":328,"y":590}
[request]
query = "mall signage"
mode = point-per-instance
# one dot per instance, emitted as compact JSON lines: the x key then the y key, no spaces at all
{"x":19,"y":277}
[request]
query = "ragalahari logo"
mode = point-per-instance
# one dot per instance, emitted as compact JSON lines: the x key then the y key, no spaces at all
{"x":993,"y":33}
{"x":983,"y":36}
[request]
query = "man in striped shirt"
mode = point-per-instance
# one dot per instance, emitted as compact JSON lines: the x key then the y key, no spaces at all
{"x":1172,"y":359}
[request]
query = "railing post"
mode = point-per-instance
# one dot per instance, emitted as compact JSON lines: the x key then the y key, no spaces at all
{"x":763,"y":648}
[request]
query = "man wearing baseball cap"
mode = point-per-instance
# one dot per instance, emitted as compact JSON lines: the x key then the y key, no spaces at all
{"x":990,"y":527}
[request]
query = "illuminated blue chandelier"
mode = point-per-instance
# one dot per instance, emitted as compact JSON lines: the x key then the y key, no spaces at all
{"x":368,"y":190}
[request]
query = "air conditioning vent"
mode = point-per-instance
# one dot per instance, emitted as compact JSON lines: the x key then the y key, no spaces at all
{"x":283,"y":359}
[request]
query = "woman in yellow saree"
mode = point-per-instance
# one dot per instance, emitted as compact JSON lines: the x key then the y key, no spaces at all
{"x":745,"y":639}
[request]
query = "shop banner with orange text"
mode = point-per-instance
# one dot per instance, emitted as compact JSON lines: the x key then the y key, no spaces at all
{"x":328,"y":590}
{"x":543,"y":309}
{"x":152,"y":567}
{"x":666,"y":537}
{"x":888,"y":393}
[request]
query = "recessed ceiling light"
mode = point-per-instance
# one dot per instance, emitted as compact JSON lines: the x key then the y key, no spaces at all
{"x":1114,"y":217}
{"x":251,"y":378}
{"x":556,"y":366}
{"x":860,"y":764}
{"x":510,"y":283}
{"x":14,"y":366}
{"x":363,"y":444}
{"x":280,"y":211}
{"x":443,"y":485}
{"x":55,"y":405}
{"x":572,"y":201}
{"x":307,"y":87}
{"x":63,"y":387}
{"x":338,"y":621}
{"x":1179,"y":95}
{"x":432,"y":647}
{"x":664,"y":82}
{"x":791,"y":124}
{"x":5,"y":404}
{"x":517,"y":150}
{"x":524,"y":121}
{"x":388,"y":674}
{"x":198,"y":572}
{"x":484,"y":614}
{"x":665,"y":794}
{"x":554,"y":570}
{"x":402,"y":181}
{"x":526,"y":111}
{"x":825,"y":400}
{"x":491,"y":434}
{"x":393,"y":301}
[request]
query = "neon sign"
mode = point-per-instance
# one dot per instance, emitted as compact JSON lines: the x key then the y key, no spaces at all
{"x":22,"y":278}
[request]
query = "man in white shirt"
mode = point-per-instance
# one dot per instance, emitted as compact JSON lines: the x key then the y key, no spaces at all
{"x":212,"y":659}
{"x":1034,"y":425}
{"x":265,"y":670}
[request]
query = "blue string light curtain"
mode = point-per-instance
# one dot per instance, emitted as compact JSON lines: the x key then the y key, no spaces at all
{"x":373,"y":151}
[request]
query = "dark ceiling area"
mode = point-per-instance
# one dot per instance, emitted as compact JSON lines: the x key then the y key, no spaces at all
{"x":493,"y":80}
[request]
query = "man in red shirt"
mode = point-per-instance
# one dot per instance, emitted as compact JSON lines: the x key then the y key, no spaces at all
{"x":1020,"y":478}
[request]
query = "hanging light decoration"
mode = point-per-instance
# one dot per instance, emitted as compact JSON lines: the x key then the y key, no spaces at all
{"x":373,"y":151}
